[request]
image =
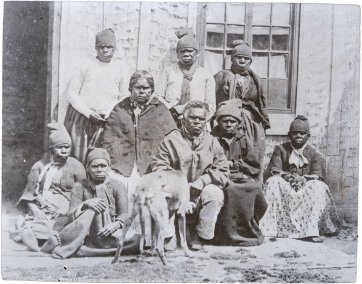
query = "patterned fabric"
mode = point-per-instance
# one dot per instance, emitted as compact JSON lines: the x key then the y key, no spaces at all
{"x":307,"y":212}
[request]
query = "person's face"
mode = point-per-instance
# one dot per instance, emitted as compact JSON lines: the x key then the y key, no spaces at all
{"x":61,"y":153}
{"x":98,"y":169}
{"x":195,"y":120}
{"x":141,"y":91}
{"x":241,"y":61}
{"x":105,"y":52}
{"x":187,"y":56}
{"x":228,"y":125}
{"x":298,"y":138}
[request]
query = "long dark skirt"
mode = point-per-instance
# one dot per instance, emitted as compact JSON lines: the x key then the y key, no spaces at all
{"x":81,"y":131}
{"x":238,"y":220}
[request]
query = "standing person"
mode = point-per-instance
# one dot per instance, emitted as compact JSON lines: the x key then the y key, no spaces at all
{"x":97,"y":211}
{"x":93,"y":91}
{"x":300,"y":203}
{"x":245,"y":204}
{"x":242,"y":82}
{"x":199,"y":156}
{"x":45,"y":200}
{"x":186,"y":80}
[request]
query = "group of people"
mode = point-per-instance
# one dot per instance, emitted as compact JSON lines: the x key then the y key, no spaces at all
{"x":210,"y":128}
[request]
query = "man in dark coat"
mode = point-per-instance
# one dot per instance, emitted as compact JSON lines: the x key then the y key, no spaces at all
{"x":245,"y":204}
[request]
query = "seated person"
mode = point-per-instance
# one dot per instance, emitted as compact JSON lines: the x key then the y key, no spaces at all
{"x":135,"y":129}
{"x":200,"y":158}
{"x":97,"y":210}
{"x":245,"y":204}
{"x":47,"y":192}
{"x":300,"y":203}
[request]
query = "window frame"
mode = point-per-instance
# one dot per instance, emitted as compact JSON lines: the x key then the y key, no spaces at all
{"x":293,"y":47}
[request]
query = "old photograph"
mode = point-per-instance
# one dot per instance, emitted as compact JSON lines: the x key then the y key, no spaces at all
{"x":180,"y":141}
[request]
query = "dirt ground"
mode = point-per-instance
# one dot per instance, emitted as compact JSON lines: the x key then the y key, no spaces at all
{"x":275,"y":261}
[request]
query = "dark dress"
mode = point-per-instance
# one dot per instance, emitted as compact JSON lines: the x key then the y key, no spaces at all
{"x":244,"y":203}
{"x":247,"y":87}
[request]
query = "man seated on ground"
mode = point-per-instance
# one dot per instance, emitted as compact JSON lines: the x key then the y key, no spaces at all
{"x":245,"y":204}
{"x":98,"y":210}
{"x":300,"y":203}
{"x":199,"y":156}
{"x":47,"y":192}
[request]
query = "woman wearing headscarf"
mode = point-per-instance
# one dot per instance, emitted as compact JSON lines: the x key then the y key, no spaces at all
{"x":96,"y":86}
{"x":45,"y":200}
{"x":244,"y":203}
{"x":97,"y":211}
{"x":240,"y":81}
{"x":300,"y":202}
{"x":185,"y":80}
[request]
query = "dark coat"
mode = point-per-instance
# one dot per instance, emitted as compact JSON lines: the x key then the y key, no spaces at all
{"x":240,"y":152}
{"x":244,"y":202}
{"x":280,"y":161}
{"x":127,"y":144}
{"x":113,"y":193}
{"x":254,"y":101}
{"x":72,"y":172}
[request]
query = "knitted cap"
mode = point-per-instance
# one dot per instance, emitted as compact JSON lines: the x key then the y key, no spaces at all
{"x":97,"y":153}
{"x":106,"y":37}
{"x":230,"y":108}
{"x":300,"y":123}
{"x":58,"y":135}
{"x":187,"y":39}
{"x":241,"y":48}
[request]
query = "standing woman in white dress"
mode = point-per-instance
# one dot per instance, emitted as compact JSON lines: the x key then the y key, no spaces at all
{"x":94,"y":89}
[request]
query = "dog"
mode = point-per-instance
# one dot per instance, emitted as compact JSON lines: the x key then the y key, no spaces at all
{"x":164,"y":193}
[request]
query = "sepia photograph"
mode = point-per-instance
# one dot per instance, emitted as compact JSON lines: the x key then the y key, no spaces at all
{"x":180,"y":141}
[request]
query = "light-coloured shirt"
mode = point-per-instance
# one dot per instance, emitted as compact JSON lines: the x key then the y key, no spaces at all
{"x":97,"y":86}
{"x":169,"y":84}
{"x":297,"y":158}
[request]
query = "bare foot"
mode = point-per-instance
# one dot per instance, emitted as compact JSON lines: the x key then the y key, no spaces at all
{"x":315,"y":239}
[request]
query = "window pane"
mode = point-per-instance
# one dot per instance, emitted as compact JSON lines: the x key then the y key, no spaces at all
{"x":215,"y":12}
{"x":278,"y":66}
{"x":213,"y":61}
{"x":261,"y":39}
{"x":281,"y":14}
{"x":235,"y":13}
{"x":261,"y":13}
{"x":233,"y":33}
{"x":215,"y":36}
{"x":278,"y":94}
{"x":280,"y":39}
{"x":228,"y":59}
{"x":260,"y":64}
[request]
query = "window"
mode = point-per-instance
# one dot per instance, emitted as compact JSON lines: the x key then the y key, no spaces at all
{"x":271,"y":30}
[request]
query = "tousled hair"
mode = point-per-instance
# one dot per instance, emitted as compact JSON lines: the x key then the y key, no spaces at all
{"x":141,"y":74}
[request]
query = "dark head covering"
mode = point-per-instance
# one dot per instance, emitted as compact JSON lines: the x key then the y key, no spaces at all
{"x":300,"y":123}
{"x":230,"y":108}
{"x":187,"y":39}
{"x":241,"y":48}
{"x":58,"y":135}
{"x":97,"y":153}
{"x":106,"y":37}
